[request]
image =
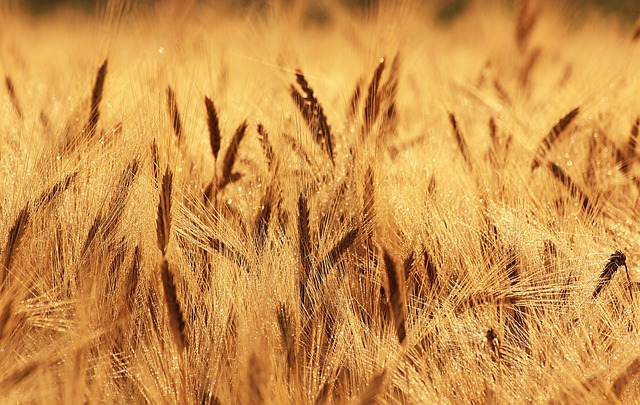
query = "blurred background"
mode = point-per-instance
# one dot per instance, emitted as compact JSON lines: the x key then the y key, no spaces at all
{"x":447,"y":9}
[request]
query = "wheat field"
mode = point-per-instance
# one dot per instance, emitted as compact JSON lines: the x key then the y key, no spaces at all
{"x":306,"y":203}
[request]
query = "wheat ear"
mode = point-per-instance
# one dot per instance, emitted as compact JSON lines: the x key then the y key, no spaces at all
{"x":96,"y":98}
{"x":163,"y":221}
{"x":176,"y":320}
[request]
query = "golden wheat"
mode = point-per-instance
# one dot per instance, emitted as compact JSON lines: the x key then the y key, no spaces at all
{"x":401,"y":223}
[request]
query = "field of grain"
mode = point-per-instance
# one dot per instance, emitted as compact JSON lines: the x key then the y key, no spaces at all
{"x":301,"y":202}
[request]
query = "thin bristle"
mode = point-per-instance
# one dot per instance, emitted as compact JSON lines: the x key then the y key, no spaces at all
{"x":231,"y":155}
{"x":397,"y":298}
{"x":163,"y":221}
{"x":214,"y":127}
{"x":553,"y":136}
{"x":176,"y":321}
{"x":96,"y":98}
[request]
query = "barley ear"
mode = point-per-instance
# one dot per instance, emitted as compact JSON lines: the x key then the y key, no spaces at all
{"x":553,"y":135}
{"x":462,"y":144}
{"x":304,"y":245}
{"x":14,"y":239}
{"x":527,"y":19}
{"x":573,"y":188}
{"x":154,"y":159}
{"x":313,"y":114}
{"x":375,"y":387}
{"x":5,"y":317}
{"x":176,"y":321}
{"x":256,"y":381}
{"x":623,"y":379}
{"x":287,"y":332}
{"x":231,"y":155}
{"x":633,"y":139}
{"x":163,"y":221}
{"x":214,"y":127}
{"x":263,"y":215}
{"x":174,"y":114}
{"x":372,"y":102}
{"x":12,"y":96}
{"x":96,"y":98}
{"x":397,"y":296}
{"x":266,"y":145}
{"x":335,"y":254}
{"x":616,"y":260}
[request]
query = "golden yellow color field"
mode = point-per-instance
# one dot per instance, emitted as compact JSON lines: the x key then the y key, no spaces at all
{"x":300,"y":202}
